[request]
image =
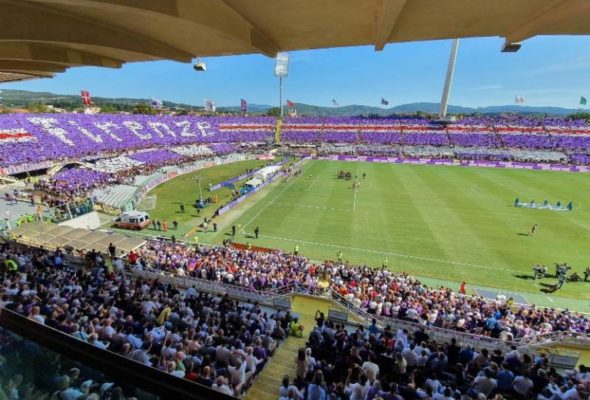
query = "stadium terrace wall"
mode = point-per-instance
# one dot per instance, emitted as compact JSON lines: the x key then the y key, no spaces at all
{"x":462,"y":163}
{"x":29,"y":142}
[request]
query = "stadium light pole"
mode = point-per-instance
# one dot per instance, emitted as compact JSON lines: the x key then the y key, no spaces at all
{"x":444,"y":101}
{"x":281,"y":71}
{"x":198,"y":178}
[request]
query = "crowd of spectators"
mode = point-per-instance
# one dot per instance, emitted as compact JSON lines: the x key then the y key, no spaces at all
{"x":29,"y":371}
{"x":375,"y":364}
{"x":250,"y":270}
{"x":222,"y":343}
{"x":73,"y":182}
{"x":393,"y":295}
{"x":379,"y":292}
{"x":212,"y":340}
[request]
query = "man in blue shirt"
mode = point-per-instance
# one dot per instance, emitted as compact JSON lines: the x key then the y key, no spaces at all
{"x":504,"y":378}
{"x":373,"y":328}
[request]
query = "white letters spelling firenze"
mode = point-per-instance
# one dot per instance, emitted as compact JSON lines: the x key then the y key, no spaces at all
{"x":144,"y":131}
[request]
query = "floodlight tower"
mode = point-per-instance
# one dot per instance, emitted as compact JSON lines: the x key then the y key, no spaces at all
{"x":198,"y":178}
{"x":444,"y":101}
{"x":281,"y":71}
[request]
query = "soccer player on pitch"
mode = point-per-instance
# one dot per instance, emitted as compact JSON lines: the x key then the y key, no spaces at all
{"x":533,"y":230}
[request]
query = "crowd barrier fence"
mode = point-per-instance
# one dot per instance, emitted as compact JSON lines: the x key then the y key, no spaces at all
{"x":443,"y":335}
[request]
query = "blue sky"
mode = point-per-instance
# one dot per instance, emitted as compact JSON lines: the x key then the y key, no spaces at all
{"x":546,"y":71}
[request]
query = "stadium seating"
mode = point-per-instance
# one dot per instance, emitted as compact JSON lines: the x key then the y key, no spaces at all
{"x":223,"y":343}
{"x":210,"y":339}
{"x":30,"y":139}
{"x":37,"y":138}
{"x":115,"y":196}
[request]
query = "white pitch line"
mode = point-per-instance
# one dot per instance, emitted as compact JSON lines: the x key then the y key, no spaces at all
{"x":270,"y":203}
{"x":312,"y":183}
{"x":550,"y":299}
{"x":354,"y":201}
{"x":393,"y":254}
{"x":299,"y":205}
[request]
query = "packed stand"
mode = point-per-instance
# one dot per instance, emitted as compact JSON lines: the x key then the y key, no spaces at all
{"x":375,"y":363}
{"x":208,"y":339}
{"x":31,"y":372}
{"x":29,"y":139}
{"x":248,"y":269}
{"x":74,"y":182}
{"x":379,"y":292}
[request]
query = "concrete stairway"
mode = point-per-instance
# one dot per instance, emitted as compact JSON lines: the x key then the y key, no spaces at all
{"x":115,"y":196}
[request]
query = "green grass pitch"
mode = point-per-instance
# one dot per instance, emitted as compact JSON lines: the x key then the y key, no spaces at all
{"x":449,"y":223}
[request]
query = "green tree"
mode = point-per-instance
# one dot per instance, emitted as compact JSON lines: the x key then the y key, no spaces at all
{"x":580,"y":115}
{"x":143,"y":108}
{"x":274,"y":112}
{"x":108,"y":108}
{"x":37,"y":108}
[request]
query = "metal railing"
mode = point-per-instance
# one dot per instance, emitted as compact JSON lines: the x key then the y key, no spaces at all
{"x":268,"y":297}
{"x":208,"y":286}
{"x":113,"y":365}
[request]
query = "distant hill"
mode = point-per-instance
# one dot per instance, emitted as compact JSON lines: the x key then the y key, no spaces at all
{"x":428,"y":108}
{"x":21,"y":98}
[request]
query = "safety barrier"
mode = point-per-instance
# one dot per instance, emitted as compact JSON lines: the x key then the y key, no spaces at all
{"x":204,"y":285}
{"x":276,"y":297}
{"x":269,"y":297}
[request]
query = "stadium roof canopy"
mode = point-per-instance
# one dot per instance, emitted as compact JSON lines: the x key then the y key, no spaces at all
{"x":41,"y":37}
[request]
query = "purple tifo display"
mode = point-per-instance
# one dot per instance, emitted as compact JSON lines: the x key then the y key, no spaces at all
{"x":78,"y":179}
{"x":158,"y":156}
{"x":32,"y":138}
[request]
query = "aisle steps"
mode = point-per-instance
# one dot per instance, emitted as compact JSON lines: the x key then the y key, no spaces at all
{"x":267,"y":384}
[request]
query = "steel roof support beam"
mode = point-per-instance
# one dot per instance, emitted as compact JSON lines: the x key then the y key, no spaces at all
{"x":52,"y":54}
{"x":552,"y":16}
{"x":34,"y":22}
{"x":387,"y":16}
{"x":31,"y":65}
{"x":221,"y":16}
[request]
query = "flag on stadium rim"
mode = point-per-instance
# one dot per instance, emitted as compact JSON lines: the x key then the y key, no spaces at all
{"x":519,"y":100}
{"x":244,"y":105}
{"x":290,"y":103}
{"x":85,"y":95}
{"x":210,"y":105}
{"x":156,"y":103}
{"x":384,"y":102}
{"x":335,"y":103}
{"x":583,"y":101}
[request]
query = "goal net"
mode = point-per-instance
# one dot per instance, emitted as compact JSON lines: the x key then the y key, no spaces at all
{"x":148,"y":203}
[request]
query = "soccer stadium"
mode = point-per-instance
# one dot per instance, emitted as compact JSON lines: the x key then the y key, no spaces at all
{"x":172,"y":251}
